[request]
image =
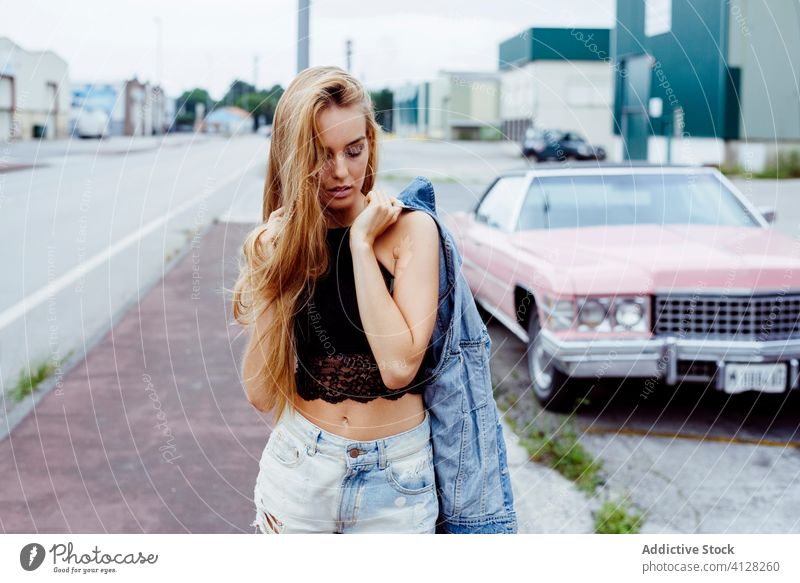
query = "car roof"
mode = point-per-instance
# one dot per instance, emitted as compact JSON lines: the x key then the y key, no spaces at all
{"x":589,"y":167}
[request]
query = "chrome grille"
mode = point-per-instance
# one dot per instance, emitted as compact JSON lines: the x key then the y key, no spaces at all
{"x":753,"y":317}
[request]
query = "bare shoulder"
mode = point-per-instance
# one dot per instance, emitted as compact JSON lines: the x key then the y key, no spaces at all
{"x":417,"y":238}
{"x":413,"y":232}
{"x":416,"y":223}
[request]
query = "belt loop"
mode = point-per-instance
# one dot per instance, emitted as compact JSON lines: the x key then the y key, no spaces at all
{"x":382,"y":454}
{"x":311,"y":448}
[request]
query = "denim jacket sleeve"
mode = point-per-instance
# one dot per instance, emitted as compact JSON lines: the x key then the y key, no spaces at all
{"x":469,"y":450}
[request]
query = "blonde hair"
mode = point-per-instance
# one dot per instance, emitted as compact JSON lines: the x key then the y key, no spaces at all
{"x":294,"y":170}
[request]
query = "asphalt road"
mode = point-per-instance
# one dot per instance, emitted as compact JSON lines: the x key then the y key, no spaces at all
{"x":94,"y":223}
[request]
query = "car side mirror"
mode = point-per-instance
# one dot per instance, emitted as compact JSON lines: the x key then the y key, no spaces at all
{"x":768,"y":212}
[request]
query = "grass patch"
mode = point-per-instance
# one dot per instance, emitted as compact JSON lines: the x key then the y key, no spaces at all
{"x":784,"y":165}
{"x":562,"y":451}
{"x":554,"y":442}
{"x":31,"y":378}
{"x":614,"y":518}
{"x":409,"y":177}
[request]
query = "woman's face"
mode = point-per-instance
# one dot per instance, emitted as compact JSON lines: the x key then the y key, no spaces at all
{"x":343,"y":131}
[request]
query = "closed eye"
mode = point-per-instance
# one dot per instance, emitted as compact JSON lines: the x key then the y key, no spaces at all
{"x":354,"y":152}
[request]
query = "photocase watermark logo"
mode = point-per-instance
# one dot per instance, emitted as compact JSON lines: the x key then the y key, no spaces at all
{"x":31,"y":556}
{"x":66,"y":560}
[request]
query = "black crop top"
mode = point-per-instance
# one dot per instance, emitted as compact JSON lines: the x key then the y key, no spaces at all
{"x":335,"y":361}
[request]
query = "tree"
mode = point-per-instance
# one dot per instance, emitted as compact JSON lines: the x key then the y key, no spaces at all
{"x":383,"y":103}
{"x":261,"y":105}
{"x":185,"y":105}
{"x":237,"y":91}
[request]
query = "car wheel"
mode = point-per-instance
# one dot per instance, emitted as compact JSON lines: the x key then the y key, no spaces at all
{"x":552,"y":388}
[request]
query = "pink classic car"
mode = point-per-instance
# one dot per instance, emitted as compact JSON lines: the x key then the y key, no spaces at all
{"x":667,"y":274}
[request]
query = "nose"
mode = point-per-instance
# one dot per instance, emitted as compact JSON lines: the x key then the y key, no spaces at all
{"x":339,"y":166}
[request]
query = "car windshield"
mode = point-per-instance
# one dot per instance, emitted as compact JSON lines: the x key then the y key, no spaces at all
{"x":533,"y":134}
{"x":567,"y":202}
{"x":572,"y":137}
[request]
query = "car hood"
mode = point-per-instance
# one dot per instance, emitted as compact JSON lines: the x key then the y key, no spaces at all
{"x":645,"y":258}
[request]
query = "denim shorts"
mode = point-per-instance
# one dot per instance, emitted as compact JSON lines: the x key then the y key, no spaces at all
{"x":314,"y":481}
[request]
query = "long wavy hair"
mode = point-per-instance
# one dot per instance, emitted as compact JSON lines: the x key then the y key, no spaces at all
{"x":294,"y":172}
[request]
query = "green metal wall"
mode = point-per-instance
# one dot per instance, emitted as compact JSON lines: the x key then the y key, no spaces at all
{"x":555,"y":44}
{"x":689,"y":67}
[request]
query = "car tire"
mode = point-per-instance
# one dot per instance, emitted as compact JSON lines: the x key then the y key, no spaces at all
{"x":553,"y":389}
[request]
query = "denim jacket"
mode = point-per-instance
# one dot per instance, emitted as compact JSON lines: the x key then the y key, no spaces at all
{"x":469,"y":450}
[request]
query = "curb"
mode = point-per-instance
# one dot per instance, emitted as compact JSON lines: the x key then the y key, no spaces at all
{"x":544,"y":500}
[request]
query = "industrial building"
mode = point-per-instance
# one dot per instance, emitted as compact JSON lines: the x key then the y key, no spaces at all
{"x":455,"y":105}
{"x":707,"y":81}
{"x":133,"y":107}
{"x":558,"y":79}
{"x":34,"y":93}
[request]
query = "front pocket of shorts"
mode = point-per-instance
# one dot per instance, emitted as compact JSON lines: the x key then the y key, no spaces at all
{"x":285,"y":448}
{"x":412,"y":474}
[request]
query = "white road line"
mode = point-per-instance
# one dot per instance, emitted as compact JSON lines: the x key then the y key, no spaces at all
{"x":42,"y":294}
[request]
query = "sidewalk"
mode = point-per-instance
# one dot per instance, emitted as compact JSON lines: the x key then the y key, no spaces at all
{"x":152,"y":432}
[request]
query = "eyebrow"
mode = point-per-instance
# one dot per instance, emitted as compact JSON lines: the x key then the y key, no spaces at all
{"x":356,"y":140}
{"x":353,"y":142}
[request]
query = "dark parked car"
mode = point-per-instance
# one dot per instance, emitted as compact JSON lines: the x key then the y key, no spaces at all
{"x":557,"y":145}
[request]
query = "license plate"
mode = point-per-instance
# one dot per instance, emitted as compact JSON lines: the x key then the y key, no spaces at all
{"x":767,"y":378}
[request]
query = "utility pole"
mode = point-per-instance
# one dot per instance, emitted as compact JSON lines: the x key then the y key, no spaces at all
{"x":302,"y":34}
{"x":157,"y":20}
{"x":348,"y":49}
{"x":255,"y":73}
{"x":158,"y":111}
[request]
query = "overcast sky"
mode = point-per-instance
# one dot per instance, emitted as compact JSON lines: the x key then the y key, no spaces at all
{"x":208,"y":44}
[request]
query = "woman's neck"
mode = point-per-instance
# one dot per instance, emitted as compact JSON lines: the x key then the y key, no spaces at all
{"x":339,"y":221}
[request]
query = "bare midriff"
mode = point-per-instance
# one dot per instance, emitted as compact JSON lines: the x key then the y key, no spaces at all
{"x":364,"y":421}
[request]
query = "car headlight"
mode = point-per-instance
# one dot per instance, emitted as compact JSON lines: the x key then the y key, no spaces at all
{"x":612,"y":314}
{"x":558,"y":314}
{"x":592,"y":313}
{"x":629,"y":313}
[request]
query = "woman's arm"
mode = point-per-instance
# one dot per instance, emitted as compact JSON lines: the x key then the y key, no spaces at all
{"x":259,"y":246}
{"x":254,"y":357}
{"x":399,"y":328}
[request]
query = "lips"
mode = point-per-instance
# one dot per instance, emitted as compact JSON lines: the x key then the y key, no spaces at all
{"x":340,"y":190}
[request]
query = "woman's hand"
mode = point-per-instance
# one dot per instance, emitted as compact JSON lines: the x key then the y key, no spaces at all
{"x":381,"y":211}
{"x":270,"y":231}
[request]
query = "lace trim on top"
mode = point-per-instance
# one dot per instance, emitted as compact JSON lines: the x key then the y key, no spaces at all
{"x":347,"y":376}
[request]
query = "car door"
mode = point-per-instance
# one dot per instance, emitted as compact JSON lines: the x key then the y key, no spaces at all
{"x":570,"y":143}
{"x":488,"y":263}
{"x":554,"y":149}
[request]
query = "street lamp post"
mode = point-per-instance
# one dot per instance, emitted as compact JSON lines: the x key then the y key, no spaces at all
{"x":302,"y":34}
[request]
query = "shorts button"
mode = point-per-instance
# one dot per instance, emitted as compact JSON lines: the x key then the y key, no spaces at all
{"x":353,"y":452}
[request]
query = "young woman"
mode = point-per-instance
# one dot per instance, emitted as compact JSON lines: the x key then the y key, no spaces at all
{"x":339,"y":290}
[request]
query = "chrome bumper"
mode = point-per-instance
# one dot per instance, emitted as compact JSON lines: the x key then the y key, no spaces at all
{"x":660,"y":357}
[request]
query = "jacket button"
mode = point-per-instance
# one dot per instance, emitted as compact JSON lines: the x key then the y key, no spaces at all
{"x":353,"y":452}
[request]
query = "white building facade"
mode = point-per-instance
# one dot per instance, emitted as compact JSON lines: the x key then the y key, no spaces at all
{"x":34,"y":93}
{"x":558,"y":79}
